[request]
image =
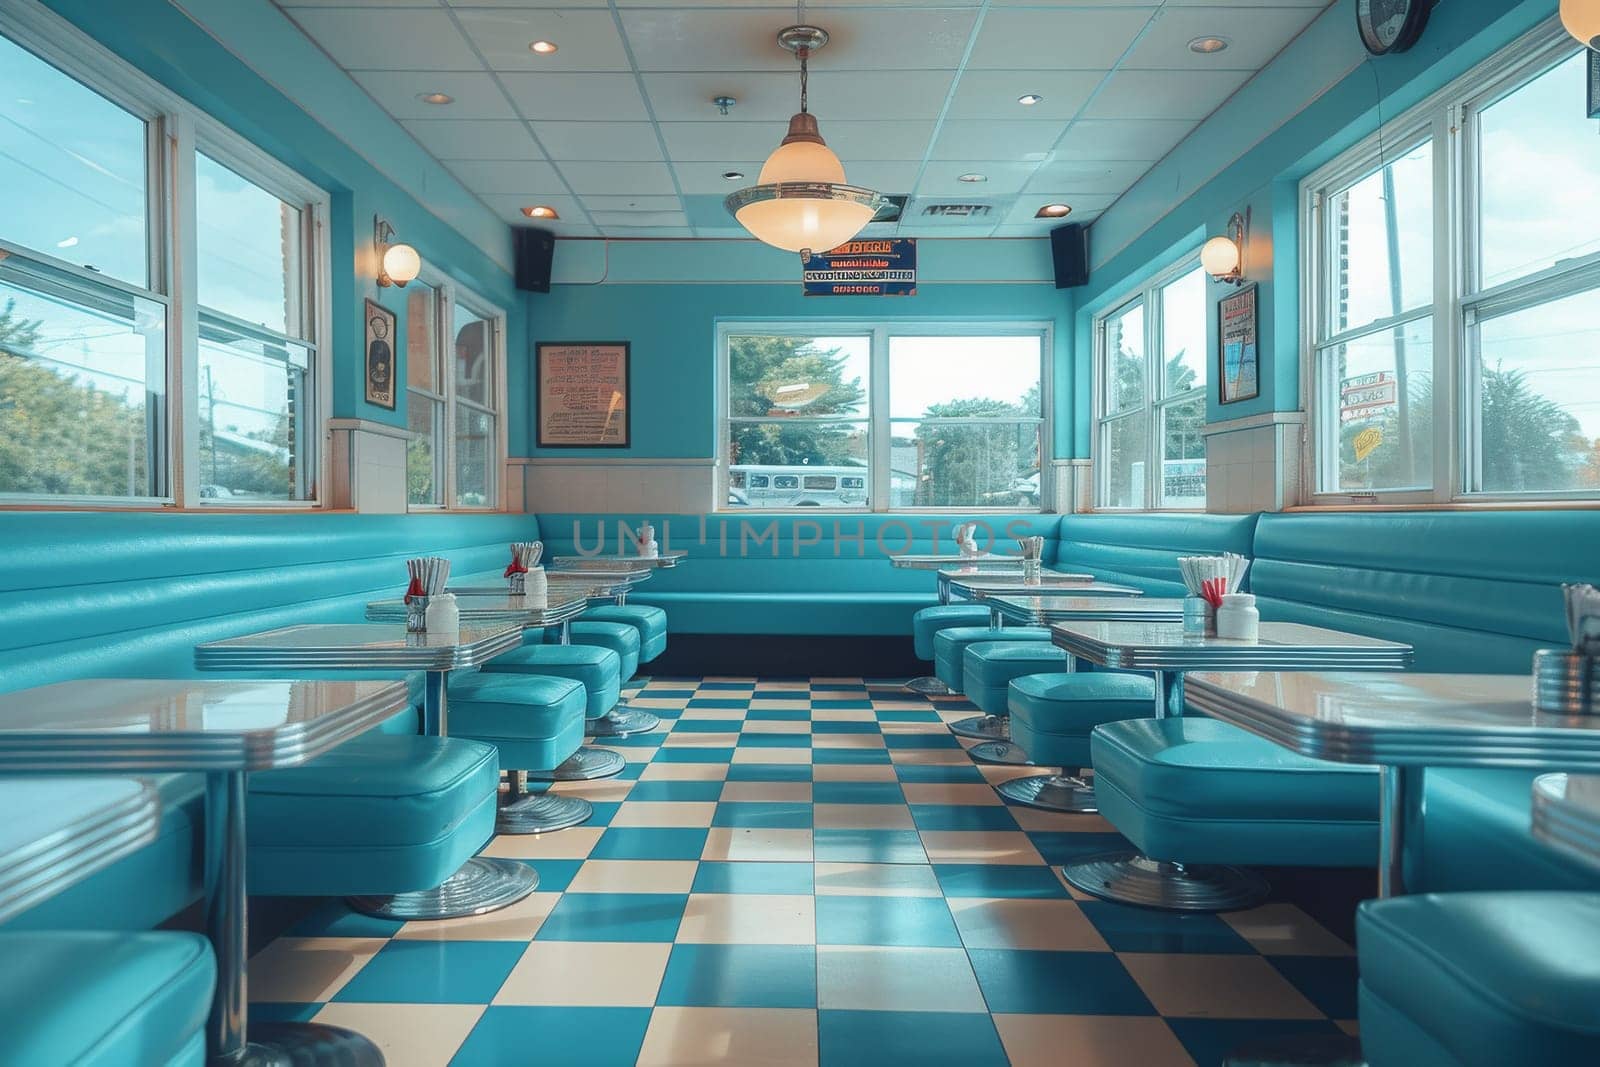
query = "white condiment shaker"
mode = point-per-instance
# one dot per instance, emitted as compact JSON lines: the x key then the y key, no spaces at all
{"x":1237,"y":618}
{"x":444,"y":616}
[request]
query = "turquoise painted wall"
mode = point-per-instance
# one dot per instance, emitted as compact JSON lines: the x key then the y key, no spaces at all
{"x":1144,"y":230}
{"x":161,"y":41}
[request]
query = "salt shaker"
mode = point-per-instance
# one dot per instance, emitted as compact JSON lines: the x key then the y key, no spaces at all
{"x":444,"y":617}
{"x":1237,"y":618}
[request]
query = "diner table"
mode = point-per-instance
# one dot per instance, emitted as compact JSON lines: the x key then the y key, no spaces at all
{"x":928,"y":685}
{"x":622,"y":561}
{"x":981,"y":586}
{"x":1566,"y":813}
{"x":603,"y":585}
{"x":1168,"y":652}
{"x":224,"y":730}
{"x":1403,"y":724}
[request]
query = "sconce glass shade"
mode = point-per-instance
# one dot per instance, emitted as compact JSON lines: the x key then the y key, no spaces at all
{"x":1220,"y":257}
{"x":1582,"y":20}
{"x":801,"y":200}
{"x":401,"y":264}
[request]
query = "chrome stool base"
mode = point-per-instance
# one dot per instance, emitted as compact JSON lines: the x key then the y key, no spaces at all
{"x":289,"y":1044}
{"x":622,"y":721}
{"x":1051,"y":792}
{"x":983,"y":727}
{"x":541,"y":814}
{"x":1003,"y":752}
{"x":928,"y":686}
{"x":482,"y":885}
{"x":584,"y":765}
{"x":1130,"y":878}
{"x":1299,"y":1050}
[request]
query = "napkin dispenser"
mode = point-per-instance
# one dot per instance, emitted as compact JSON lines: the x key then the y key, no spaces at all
{"x":1567,"y":681}
{"x":1032,"y":549}
{"x":524,"y":565}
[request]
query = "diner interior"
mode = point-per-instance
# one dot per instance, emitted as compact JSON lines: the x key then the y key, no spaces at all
{"x":724,"y":532}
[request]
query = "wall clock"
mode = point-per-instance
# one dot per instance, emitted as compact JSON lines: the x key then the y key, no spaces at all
{"x":1391,"y":25}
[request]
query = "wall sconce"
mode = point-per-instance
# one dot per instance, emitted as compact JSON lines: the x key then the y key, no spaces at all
{"x":1582,"y":20}
{"x":1223,"y":257}
{"x":397,"y":263}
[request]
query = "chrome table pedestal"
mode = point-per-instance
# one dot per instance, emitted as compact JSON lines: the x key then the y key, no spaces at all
{"x":522,"y":812}
{"x":1004,"y":753}
{"x":1051,"y":792}
{"x":483,"y":884}
{"x":622,"y":721}
{"x":983,"y":728}
{"x":584,"y":765}
{"x":927,"y":686}
{"x":1130,"y":878}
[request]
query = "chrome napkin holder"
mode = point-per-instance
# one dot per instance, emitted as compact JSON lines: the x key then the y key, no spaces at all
{"x":417,"y":614}
{"x":1567,"y":680}
{"x":524,"y":554}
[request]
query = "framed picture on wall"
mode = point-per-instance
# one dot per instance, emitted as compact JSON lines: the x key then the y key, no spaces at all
{"x":584,"y":398}
{"x":380,"y":356}
{"x":1237,"y":349}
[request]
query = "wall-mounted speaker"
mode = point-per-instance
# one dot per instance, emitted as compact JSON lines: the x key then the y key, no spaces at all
{"x":1069,"y":247}
{"x":535,"y":249}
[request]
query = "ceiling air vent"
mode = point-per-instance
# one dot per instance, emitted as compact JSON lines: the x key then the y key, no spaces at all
{"x":893,"y":207}
{"x":955,"y":211}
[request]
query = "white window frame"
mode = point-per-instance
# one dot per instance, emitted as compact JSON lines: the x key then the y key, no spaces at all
{"x":447,"y":294}
{"x":176,"y":129}
{"x":877,"y":418}
{"x":1147,"y":294}
{"x":1449,"y":119}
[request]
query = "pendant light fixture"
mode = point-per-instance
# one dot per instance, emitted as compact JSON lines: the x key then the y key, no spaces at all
{"x":1582,"y":20}
{"x":801,"y":201}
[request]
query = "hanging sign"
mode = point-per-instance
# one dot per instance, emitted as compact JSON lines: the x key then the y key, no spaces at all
{"x":1367,"y":396}
{"x":883,"y":267}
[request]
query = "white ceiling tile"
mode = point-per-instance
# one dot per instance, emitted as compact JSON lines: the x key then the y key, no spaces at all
{"x":632,"y":203}
{"x":1005,"y":178}
{"x":291,"y":5}
{"x":1254,"y":36}
{"x":510,"y":208}
{"x":687,"y":97}
{"x":992,"y":94}
{"x":906,"y":139}
{"x":880,"y":95}
{"x":1147,"y":139}
{"x":474,"y":138}
{"x":400,"y":40}
{"x":884,"y":176}
{"x":675,"y":39}
{"x":509,"y":178}
{"x":713,"y":141}
{"x":706,"y":178}
{"x":1164,"y":94}
{"x":619,"y":141}
{"x":476,"y":95}
{"x":576,"y":97}
{"x":1070,"y":178}
{"x":584,"y":40}
{"x":1072,"y":39}
{"x":607,"y":219}
{"x":1028,"y":204}
{"x":1023,"y":141}
{"x":656,"y":232}
{"x":619,"y":179}
{"x":839,"y":96}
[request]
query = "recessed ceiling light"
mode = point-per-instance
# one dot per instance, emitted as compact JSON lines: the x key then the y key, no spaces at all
{"x":1029,"y":99}
{"x":972,"y":179}
{"x":439,"y":99}
{"x":1207,"y":46}
{"x":70,"y":242}
{"x":540,"y":211}
{"x":544,"y":48}
{"x":732,"y":175}
{"x":1053,"y":211}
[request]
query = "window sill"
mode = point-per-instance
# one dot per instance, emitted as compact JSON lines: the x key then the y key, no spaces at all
{"x":169,"y":509}
{"x":1464,"y":505}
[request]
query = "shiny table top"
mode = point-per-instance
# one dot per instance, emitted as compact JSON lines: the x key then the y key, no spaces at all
{"x":1059,"y":605}
{"x":562,"y":604}
{"x":186,"y":724}
{"x":1566,"y":813}
{"x":613,"y":562}
{"x":58,"y":831}
{"x":982,"y":586}
{"x":1454,"y":720}
{"x":1163,"y":646}
{"x":370,"y":645}
{"x":595,"y":583}
{"x":939,"y":561}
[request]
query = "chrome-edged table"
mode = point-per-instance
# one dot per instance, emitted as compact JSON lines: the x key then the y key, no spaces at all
{"x":1168,"y":652}
{"x":949,"y":576}
{"x":611,"y":586}
{"x":620,"y":561}
{"x":928,"y":685}
{"x":1403,"y":724}
{"x":224,"y":730}
{"x":1056,"y":792}
{"x":1566,"y":813}
{"x":561,"y":606}
{"x":939,"y":560}
{"x":59,"y":831}
{"x":984,"y":586}
{"x":482,"y":884}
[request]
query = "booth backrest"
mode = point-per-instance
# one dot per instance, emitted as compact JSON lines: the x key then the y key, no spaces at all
{"x":1143,"y":550}
{"x":103,"y":594}
{"x":1470,"y":591}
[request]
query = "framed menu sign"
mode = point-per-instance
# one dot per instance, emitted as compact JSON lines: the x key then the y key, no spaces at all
{"x":583,"y":394}
{"x":1237,"y":353}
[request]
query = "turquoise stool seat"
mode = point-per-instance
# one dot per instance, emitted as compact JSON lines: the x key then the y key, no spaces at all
{"x":1190,"y":790}
{"x":377,"y":816}
{"x":1477,"y":836}
{"x":649,"y":620}
{"x":987,"y":668}
{"x":929,"y":621}
{"x":1053,"y":715}
{"x":598,"y":669}
{"x":536,"y":723}
{"x":619,"y":637}
{"x":950,"y":646}
{"x":1480,"y":979}
{"x":105,"y":999}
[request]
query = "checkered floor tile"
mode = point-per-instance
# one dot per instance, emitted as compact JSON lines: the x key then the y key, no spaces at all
{"x":809,"y":871}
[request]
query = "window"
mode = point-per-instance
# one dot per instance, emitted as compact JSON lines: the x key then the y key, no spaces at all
{"x":884,"y":417}
{"x":1454,"y":347}
{"x":1151,"y":366}
{"x":453,"y":396}
{"x":119,"y":382}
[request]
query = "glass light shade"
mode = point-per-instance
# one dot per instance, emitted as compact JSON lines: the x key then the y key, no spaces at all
{"x":1220,"y":257}
{"x":802,"y":161}
{"x":795,"y":224}
{"x":401,"y":263}
{"x":1582,"y":20}
{"x":801,"y":200}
